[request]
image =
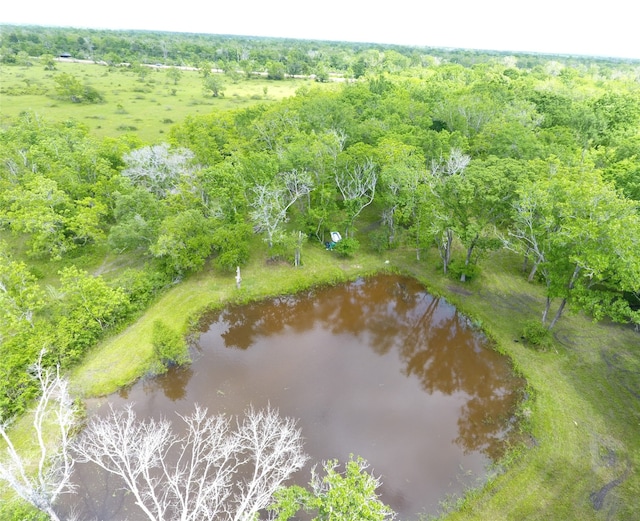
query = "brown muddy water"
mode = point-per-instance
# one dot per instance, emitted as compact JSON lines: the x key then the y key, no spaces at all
{"x":376,"y":368}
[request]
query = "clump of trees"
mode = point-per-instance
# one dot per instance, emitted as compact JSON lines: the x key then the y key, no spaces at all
{"x":70,"y":88}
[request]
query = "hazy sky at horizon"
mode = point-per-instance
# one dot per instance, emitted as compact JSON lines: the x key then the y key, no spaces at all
{"x":546,"y":26}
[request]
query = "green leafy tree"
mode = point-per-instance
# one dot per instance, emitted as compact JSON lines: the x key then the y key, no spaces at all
{"x":231,"y":244}
{"x":169,"y":345}
{"x":48,"y":62}
{"x":38,"y":209}
{"x":71,"y":88}
{"x":174,"y":74}
{"x":20,"y":295}
{"x":138,"y":217}
{"x":276,"y":70}
{"x":185,"y":241}
{"x":88,"y":307}
{"x":214,"y":84}
{"x":444,"y":182}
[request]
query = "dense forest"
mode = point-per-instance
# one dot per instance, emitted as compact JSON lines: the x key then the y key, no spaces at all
{"x":457,"y":152}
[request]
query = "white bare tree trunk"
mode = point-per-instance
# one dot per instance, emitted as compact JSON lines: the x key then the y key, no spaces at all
{"x":51,"y":477}
{"x":210,"y":472}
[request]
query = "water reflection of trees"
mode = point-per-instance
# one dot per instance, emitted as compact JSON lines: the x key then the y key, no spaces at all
{"x":435,"y":343}
{"x":173,"y":384}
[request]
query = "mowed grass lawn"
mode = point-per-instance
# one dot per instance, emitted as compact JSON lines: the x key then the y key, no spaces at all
{"x":146,"y":106}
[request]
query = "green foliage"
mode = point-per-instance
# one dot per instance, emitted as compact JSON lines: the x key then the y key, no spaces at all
{"x":231,"y":242}
{"x":71,"y":89}
{"x":89,"y":307}
{"x":347,"y":247}
{"x":142,"y":285}
{"x":169,"y":346}
{"x":276,"y":70}
{"x":457,"y":268}
{"x":336,"y":496}
{"x":214,"y":84}
{"x":15,"y":511}
{"x":185,"y":241}
{"x":174,"y":74}
{"x":537,"y":335}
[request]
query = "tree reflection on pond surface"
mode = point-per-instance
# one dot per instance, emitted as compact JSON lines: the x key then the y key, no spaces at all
{"x":376,"y":367}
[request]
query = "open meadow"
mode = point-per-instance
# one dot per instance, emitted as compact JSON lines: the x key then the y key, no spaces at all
{"x":144,"y":101}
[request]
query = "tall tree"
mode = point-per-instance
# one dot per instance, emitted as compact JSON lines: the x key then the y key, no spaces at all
{"x":158,"y":168}
{"x":584,"y":238}
{"x":443,"y":181}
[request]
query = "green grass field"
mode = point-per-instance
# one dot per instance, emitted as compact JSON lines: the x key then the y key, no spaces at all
{"x":144,"y":106}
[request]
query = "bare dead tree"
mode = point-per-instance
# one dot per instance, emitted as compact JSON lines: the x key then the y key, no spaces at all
{"x":41,"y":482}
{"x":158,"y":168}
{"x":357,"y":186}
{"x":271,"y":202}
{"x":210,"y":472}
{"x":455,"y":163}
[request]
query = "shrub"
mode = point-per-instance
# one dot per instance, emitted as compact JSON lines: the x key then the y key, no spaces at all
{"x":347,"y":247}
{"x":537,"y":335}
{"x":169,"y":346}
{"x":457,"y":268}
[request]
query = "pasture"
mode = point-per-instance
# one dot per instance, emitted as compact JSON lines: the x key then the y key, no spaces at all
{"x":143,"y":100}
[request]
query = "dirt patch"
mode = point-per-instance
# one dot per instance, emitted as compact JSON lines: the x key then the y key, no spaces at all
{"x":598,"y":497}
{"x":520,"y":303}
{"x":624,"y":369}
{"x":459,"y":291}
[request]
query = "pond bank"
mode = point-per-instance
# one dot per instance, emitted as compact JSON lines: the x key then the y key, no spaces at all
{"x":581,"y":422}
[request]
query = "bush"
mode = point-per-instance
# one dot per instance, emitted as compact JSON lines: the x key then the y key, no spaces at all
{"x":537,"y":335}
{"x":347,"y":247}
{"x":169,"y":346}
{"x":457,"y":268}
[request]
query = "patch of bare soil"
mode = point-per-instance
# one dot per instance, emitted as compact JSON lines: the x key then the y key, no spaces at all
{"x":598,"y":497}
{"x":459,"y":291}
{"x":520,"y":303}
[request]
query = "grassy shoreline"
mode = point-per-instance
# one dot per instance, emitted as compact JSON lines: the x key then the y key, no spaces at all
{"x":581,"y":421}
{"x":582,"y":438}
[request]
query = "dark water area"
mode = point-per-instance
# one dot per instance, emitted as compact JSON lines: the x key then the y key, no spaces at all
{"x":376,"y":368}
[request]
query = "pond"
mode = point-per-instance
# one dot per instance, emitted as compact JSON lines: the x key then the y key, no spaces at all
{"x":377,"y":368}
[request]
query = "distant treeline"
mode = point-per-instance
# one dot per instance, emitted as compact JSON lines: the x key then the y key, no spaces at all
{"x":298,"y":57}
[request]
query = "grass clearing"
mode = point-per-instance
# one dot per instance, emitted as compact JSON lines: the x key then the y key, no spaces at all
{"x":143,"y":105}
